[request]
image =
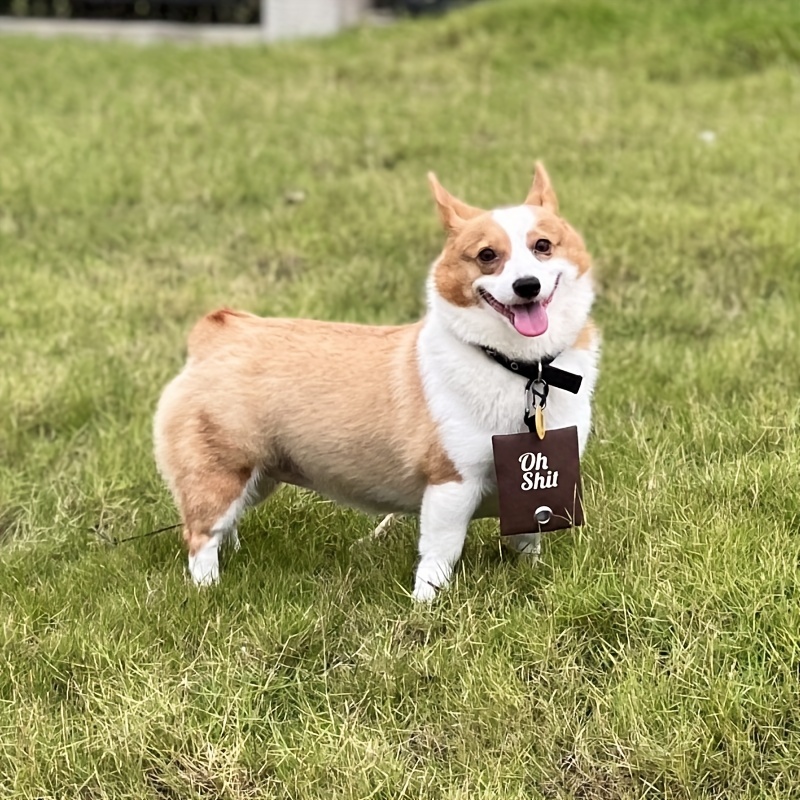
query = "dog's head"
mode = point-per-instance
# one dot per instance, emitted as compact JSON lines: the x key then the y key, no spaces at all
{"x":515,"y":279}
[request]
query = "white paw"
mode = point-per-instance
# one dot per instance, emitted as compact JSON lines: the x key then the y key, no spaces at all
{"x":431,"y":577}
{"x":204,"y":567}
{"x":423,"y":592}
{"x":526,"y":544}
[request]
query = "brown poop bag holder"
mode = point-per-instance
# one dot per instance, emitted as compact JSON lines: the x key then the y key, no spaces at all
{"x":538,"y":473}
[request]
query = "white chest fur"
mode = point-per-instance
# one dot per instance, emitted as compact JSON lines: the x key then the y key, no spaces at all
{"x":473,"y":398}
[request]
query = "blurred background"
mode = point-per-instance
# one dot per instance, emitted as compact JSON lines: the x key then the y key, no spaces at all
{"x":252,"y":12}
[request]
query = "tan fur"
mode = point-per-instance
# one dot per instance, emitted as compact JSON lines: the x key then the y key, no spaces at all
{"x":459,"y":266}
{"x":587,"y":337}
{"x":351,"y":390}
{"x":204,"y":335}
{"x":452,"y":211}
{"x":567,"y":242}
{"x":541,"y":192}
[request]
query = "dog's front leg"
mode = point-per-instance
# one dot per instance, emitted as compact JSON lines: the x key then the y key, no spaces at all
{"x":446,"y":511}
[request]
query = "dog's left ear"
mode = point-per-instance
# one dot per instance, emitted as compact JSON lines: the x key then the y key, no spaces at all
{"x":542,"y":192}
{"x":453,"y":212}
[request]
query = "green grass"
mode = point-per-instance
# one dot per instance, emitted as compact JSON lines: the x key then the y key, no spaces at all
{"x":654,"y":653}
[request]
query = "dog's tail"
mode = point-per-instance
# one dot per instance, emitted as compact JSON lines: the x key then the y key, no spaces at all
{"x":210,"y":330}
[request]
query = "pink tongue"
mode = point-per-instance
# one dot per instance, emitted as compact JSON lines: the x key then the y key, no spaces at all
{"x":530,"y":319}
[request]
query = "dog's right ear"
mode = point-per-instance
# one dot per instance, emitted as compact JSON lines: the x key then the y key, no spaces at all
{"x":542,"y":192}
{"x":453,"y":212}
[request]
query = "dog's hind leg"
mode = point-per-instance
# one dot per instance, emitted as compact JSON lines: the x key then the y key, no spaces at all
{"x":259,"y":488}
{"x":211,"y":508}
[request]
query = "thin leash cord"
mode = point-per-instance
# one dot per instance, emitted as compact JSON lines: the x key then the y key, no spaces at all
{"x":115,"y":541}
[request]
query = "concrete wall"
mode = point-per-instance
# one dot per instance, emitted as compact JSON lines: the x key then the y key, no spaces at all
{"x":289,"y":19}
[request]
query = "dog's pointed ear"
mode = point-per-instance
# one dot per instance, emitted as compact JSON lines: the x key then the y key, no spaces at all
{"x":542,"y":192}
{"x":453,"y":212}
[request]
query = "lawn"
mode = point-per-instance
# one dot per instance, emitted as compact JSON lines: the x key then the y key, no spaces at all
{"x":653,"y":653}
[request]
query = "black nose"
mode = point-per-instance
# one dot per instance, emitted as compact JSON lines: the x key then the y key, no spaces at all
{"x":527,"y":288}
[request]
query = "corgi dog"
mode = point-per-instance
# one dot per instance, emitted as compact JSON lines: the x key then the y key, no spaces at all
{"x":386,"y":419}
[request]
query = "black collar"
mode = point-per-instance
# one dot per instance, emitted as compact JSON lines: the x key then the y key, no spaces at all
{"x":532,"y":370}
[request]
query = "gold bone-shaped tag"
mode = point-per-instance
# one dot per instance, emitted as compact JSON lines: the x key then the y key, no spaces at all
{"x":538,"y":481}
{"x":539,"y":420}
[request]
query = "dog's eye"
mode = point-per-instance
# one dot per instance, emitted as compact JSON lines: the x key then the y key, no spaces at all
{"x":487,"y":255}
{"x":543,"y":246}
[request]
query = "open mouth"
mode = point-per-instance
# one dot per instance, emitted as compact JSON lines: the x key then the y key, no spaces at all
{"x":528,"y":319}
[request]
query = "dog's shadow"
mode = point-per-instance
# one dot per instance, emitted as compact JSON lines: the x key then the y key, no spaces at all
{"x":302,"y":542}
{"x":305,"y":544}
